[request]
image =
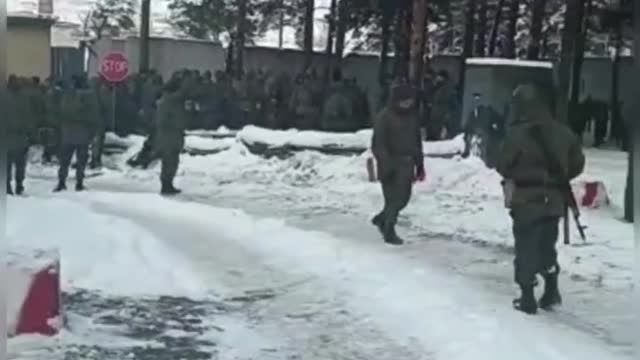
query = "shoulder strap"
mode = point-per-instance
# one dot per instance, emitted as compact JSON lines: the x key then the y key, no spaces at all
{"x":552,"y":162}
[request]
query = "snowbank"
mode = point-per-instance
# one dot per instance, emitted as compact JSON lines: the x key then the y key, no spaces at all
{"x":509,"y":62}
{"x":199,"y":145}
{"x":115,"y":141}
{"x":99,"y":252}
{"x":262,"y":140}
{"x":397,"y":289}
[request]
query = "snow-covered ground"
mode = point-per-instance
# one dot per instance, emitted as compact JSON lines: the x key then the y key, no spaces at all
{"x":289,"y":240}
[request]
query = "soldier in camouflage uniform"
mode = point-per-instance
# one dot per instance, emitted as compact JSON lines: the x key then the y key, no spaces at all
{"x":51,"y":131}
{"x":444,"y":108}
{"x":35,"y":93}
{"x":337,"y":113}
{"x":79,"y":121}
{"x":301,"y":104}
{"x":537,"y":202}
{"x":397,"y":147}
{"x":103,"y":99}
{"x":171,"y":123}
{"x":20,"y":126}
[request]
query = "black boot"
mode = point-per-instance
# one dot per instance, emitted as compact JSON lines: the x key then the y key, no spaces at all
{"x":61,"y":187}
{"x":390,"y":236}
{"x":169,"y":189}
{"x":80,"y":186}
{"x":527,"y":301}
{"x":19,"y":189}
{"x":9,"y":189}
{"x":378,"y":221}
{"x":551,"y":296}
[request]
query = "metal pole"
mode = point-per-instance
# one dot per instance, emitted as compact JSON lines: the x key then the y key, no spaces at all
{"x":113,"y":106}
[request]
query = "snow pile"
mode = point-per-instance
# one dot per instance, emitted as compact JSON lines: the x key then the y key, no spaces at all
{"x":99,"y":252}
{"x":113,"y":140}
{"x":222,"y":131}
{"x":305,"y":139}
{"x":195,"y":144}
{"x":318,"y":140}
{"x":509,"y":62}
{"x":451,"y":328}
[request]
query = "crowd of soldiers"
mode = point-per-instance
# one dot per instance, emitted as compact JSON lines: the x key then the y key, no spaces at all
{"x":71,"y":118}
{"x":64,"y":118}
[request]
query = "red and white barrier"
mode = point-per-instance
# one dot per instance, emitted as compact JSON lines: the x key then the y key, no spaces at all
{"x":590,"y":194}
{"x":32,"y":284}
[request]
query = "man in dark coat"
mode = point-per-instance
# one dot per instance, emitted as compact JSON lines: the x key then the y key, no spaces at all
{"x":537,"y":201}
{"x":79,"y":116}
{"x":397,"y":147}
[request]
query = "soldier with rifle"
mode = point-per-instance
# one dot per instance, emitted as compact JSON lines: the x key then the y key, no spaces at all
{"x":539,"y":158}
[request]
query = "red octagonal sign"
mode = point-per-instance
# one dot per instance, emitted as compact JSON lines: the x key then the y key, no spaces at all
{"x":114,"y":67}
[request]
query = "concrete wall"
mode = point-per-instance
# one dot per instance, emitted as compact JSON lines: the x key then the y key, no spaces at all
{"x":169,"y":55}
{"x":166,"y":55}
{"x":28,"y":50}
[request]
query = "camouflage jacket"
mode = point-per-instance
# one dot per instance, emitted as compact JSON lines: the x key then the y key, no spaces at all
{"x":537,"y":193}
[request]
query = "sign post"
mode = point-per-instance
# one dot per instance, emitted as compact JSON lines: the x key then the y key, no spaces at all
{"x":114,"y":69}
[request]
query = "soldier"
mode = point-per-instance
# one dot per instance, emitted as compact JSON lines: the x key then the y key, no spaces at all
{"x":51,"y":132}
{"x":360,"y":102}
{"x":79,"y":122}
{"x":397,"y":147}
{"x":537,"y":202}
{"x":171,"y":123}
{"x":444,"y":106}
{"x":20,"y":127}
{"x":101,"y":92}
{"x":301,"y":104}
{"x":36,"y":109}
{"x":337,"y":114}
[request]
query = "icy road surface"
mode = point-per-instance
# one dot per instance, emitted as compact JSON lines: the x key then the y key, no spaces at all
{"x":271,"y":290}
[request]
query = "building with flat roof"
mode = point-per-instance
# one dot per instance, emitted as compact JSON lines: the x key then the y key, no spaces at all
{"x":29,"y":44}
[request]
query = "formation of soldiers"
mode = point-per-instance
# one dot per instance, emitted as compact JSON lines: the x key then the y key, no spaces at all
{"x":66,"y":119}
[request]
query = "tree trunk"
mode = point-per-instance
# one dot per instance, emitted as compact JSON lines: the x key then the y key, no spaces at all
{"x":467,"y":50}
{"x":481,"y":32}
{"x":496,"y":28}
{"x":630,"y":193}
{"x":308,"y":33}
{"x":510,"y":46}
{"x":417,"y":41}
{"x":535,"y":40}
{"x":341,"y":30}
{"x":614,"y":96}
{"x":144,"y":35}
{"x":402,"y":42}
{"x":571,"y":28}
{"x":387,"y":16}
{"x":281,"y":25}
{"x":241,"y":37}
{"x":330,"y":37}
{"x":576,"y":67}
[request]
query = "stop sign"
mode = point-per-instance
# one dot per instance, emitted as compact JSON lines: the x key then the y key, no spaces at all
{"x":114,"y":67}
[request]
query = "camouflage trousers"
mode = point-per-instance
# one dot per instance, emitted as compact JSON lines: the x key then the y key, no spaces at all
{"x":16,"y":161}
{"x":396,"y":190}
{"x":535,"y":247}
{"x":169,"y":169}
{"x":66,"y":154}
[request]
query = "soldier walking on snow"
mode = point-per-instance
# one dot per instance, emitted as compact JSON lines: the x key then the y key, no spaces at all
{"x":79,"y":116}
{"x":397,"y":147}
{"x":533,"y":143}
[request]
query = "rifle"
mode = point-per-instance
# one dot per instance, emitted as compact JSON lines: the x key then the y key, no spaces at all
{"x":565,"y":187}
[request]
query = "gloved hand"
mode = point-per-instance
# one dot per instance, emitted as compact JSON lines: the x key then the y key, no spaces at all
{"x":420,"y":175}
